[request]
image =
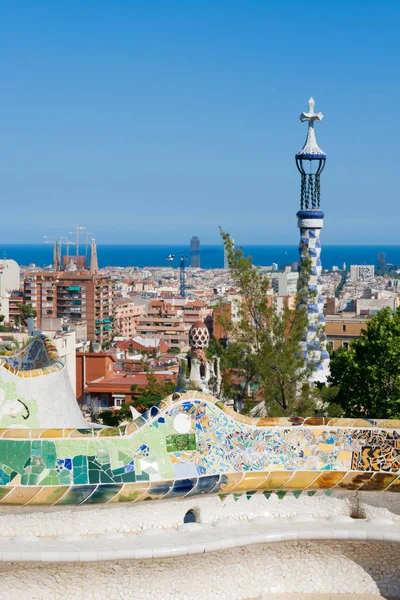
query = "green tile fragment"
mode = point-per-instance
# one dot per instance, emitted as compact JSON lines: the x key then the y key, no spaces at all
{"x":181,"y":443}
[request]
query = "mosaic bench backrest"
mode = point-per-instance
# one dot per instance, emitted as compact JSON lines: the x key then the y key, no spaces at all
{"x":195,"y":445}
{"x":39,"y":357}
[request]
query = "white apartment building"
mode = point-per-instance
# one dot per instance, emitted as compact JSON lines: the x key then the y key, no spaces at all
{"x":9,"y":276}
{"x":362,"y":272}
{"x":284,"y":283}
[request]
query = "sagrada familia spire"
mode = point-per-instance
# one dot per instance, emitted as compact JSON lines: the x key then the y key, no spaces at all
{"x":310,"y":161}
{"x":94,"y":264}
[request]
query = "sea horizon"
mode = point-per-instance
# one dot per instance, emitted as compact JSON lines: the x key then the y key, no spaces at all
{"x":211,"y":255}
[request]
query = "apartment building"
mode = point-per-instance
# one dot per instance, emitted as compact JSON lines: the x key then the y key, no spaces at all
{"x":99,"y":383}
{"x":15,"y":299}
{"x":171,"y":319}
{"x":285,"y":283}
{"x":76,"y":296}
{"x":126,"y":317}
{"x":341,"y":329}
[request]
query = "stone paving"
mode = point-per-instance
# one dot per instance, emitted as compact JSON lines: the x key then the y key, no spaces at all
{"x":324,"y":597}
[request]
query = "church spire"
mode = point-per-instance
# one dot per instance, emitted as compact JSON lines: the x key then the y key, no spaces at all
{"x":94,"y":265}
{"x":56,"y":256}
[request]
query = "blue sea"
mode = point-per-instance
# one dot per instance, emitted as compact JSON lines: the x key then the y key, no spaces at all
{"x":211,"y":256}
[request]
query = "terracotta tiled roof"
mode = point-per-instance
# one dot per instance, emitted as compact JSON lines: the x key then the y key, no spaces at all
{"x":120,"y":383}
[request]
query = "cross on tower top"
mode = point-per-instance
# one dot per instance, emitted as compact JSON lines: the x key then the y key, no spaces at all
{"x":311,"y":150}
{"x":311,"y":116}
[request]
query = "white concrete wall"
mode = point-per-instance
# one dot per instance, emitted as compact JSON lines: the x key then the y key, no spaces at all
{"x":66,"y":348}
{"x":5,"y":308}
{"x":9,"y":276}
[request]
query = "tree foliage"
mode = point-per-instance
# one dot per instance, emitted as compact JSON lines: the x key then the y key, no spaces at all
{"x":155,"y":391}
{"x":25,"y":312}
{"x":152,"y":394}
{"x":267,"y":338}
{"x":367,"y":375}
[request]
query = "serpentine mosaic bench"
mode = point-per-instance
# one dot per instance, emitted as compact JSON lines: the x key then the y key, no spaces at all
{"x":190,"y":444}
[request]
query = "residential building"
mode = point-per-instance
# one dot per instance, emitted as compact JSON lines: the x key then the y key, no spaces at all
{"x":226,"y":311}
{"x":171,"y":319}
{"x":284,"y":283}
{"x":99,"y":384}
{"x":9,"y":276}
{"x":166,"y":321}
{"x":15,"y":299}
{"x":40,"y":290}
{"x":375,"y":303}
{"x":140,"y":345}
{"x":78,"y":296}
{"x":126,"y":316}
{"x":340,"y":330}
{"x":362,"y":273}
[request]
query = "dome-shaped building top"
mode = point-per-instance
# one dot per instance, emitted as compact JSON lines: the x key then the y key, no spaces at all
{"x":198,"y":335}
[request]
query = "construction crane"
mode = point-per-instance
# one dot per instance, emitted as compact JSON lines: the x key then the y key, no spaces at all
{"x":78,"y":229}
{"x":182,"y":272}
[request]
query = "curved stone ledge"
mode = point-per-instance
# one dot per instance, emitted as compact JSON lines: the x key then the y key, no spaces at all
{"x":192,"y":538}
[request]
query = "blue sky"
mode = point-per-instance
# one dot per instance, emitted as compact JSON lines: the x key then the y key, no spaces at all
{"x":152,"y":121}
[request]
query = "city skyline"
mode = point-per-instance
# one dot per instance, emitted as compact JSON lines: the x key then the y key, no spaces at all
{"x":141,"y":119}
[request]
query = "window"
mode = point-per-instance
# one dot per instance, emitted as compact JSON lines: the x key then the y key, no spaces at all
{"x":345,"y":345}
{"x":343,"y":328}
{"x":118,"y":401}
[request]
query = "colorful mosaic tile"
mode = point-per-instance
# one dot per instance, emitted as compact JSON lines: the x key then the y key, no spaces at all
{"x":221,"y":453}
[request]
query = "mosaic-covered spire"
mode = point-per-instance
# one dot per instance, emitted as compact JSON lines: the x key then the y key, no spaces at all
{"x":310,"y":161}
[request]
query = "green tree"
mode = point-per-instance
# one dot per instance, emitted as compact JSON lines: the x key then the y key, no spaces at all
{"x":367,"y":375}
{"x":267,"y":339}
{"x":3,"y":327}
{"x":25,"y":312}
{"x":155,"y":391}
{"x":111,"y":418}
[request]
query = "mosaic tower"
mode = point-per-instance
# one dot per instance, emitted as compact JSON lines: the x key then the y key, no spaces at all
{"x":310,"y":161}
